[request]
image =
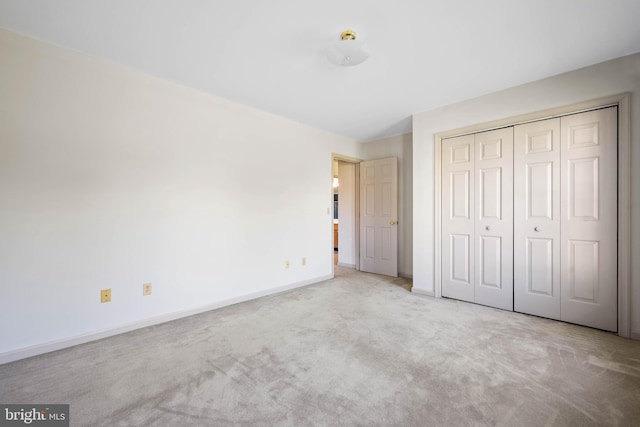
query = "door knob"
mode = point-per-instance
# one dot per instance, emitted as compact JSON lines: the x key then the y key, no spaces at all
{"x":393,"y":222}
{"x":487,"y":228}
{"x":536,"y":229}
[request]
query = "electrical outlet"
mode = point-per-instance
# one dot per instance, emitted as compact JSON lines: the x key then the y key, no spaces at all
{"x":105,"y":295}
{"x":146,"y":289}
{"x":287,"y":264}
{"x":304,"y":261}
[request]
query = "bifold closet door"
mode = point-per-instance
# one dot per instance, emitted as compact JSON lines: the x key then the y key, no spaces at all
{"x":565,"y":235}
{"x":477,"y":218}
{"x":458,"y":218}
{"x":536,"y":244}
{"x":493,"y":281}
{"x":589,"y":218}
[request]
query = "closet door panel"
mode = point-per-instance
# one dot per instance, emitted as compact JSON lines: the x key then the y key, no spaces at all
{"x":494,"y":218}
{"x":589,"y":219}
{"x":457,"y":218}
{"x":537,"y":218}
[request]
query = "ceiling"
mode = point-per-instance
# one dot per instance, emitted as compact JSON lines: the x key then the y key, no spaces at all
{"x":272,"y":54}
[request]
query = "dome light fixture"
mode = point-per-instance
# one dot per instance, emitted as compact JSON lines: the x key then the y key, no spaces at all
{"x":348,"y":51}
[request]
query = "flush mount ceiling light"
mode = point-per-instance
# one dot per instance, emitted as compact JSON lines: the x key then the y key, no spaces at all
{"x":348,"y":51}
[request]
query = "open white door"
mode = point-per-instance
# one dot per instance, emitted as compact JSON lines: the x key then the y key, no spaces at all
{"x":379,"y":216}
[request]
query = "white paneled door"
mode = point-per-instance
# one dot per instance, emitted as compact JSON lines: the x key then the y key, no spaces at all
{"x":589,"y":218}
{"x":458,"y":224}
{"x":536,"y":243}
{"x":477,"y":218}
{"x":529,"y":218}
{"x":494,"y":218}
{"x":565,"y":235}
{"x":379,"y":216}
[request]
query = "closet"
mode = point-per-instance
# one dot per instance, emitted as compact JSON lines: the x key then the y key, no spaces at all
{"x":477,"y":218}
{"x":529,"y":218}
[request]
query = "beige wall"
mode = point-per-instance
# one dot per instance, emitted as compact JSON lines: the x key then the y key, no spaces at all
{"x":110,"y":178}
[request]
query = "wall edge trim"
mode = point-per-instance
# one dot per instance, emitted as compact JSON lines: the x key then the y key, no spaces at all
{"x":419,"y":291}
{"x":38,"y":349}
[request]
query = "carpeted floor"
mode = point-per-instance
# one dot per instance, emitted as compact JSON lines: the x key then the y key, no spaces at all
{"x":356,"y":350}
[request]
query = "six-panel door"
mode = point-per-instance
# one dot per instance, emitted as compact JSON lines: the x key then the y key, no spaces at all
{"x":379,"y":216}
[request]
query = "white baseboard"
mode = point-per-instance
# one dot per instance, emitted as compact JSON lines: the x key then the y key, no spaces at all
{"x":406,"y":275}
{"x":345,"y":265}
{"x":23,"y":353}
{"x":421,"y":292}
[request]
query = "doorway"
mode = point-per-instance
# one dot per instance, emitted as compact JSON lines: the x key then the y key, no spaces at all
{"x":364,"y":214}
{"x":345,"y":213}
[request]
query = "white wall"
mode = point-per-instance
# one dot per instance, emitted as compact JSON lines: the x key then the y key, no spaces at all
{"x":347,"y":215}
{"x":110,"y":178}
{"x":401,"y":147}
{"x":609,"y":78}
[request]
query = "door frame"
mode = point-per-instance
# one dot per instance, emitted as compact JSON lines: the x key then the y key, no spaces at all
{"x":623,"y":102}
{"x":356,"y":237}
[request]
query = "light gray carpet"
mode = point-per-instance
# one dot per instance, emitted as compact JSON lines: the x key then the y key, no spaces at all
{"x":357,"y":350}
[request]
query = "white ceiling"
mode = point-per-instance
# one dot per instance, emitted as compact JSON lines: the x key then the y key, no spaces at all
{"x":271,"y":54}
